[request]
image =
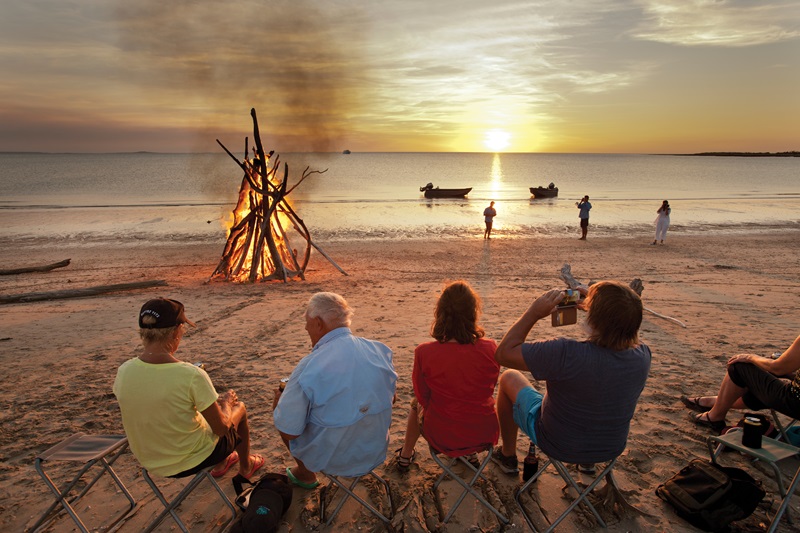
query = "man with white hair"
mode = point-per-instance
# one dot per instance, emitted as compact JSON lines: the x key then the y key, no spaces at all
{"x":335,"y":411}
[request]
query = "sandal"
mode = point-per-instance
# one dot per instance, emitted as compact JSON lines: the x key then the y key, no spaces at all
{"x":694,"y":403}
{"x":703,"y":420}
{"x":231,"y":460}
{"x":403,"y":464}
{"x":256,"y":462}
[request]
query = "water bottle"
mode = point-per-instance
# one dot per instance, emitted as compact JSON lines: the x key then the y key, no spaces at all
{"x":530,"y":464}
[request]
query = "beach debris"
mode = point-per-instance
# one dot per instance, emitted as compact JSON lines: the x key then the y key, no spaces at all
{"x":40,"y":268}
{"x":80,"y":293}
{"x":638,"y":287}
{"x":258,"y":246}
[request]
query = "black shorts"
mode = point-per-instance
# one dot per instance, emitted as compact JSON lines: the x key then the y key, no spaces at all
{"x":226,"y":444}
{"x":584,"y":222}
{"x":765,"y":390}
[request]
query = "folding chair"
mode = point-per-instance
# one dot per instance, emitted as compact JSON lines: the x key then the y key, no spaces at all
{"x":350,"y":493}
{"x":171,"y":506}
{"x":101,"y":450}
{"x":582,"y":494}
{"x":782,"y":428}
{"x":468,"y":486}
{"x":771,"y":452}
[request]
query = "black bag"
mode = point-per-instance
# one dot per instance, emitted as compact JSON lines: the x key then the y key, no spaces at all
{"x":710,"y":496}
{"x":264,"y":503}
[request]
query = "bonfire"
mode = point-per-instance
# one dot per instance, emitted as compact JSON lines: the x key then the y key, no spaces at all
{"x":259,"y":244}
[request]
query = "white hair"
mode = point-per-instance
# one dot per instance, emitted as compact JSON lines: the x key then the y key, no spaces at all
{"x":331,"y":308}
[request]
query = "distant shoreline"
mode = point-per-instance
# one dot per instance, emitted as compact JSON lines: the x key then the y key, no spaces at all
{"x":746,"y":154}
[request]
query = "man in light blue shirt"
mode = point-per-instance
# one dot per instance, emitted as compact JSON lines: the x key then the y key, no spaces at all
{"x":584,"y":206}
{"x":335,"y":412}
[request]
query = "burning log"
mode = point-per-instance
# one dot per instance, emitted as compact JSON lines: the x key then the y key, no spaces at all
{"x":258,"y":247}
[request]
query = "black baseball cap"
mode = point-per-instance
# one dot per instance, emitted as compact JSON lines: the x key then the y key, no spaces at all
{"x":168,"y":313}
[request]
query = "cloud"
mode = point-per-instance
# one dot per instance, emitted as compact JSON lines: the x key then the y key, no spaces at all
{"x":729,"y":23}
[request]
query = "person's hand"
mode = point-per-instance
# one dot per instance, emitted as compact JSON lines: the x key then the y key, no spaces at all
{"x":546,"y":303}
{"x":742,"y":358}
{"x":229,"y":397}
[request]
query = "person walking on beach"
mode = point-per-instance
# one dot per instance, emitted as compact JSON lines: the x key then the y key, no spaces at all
{"x":662,"y":222}
{"x":584,"y":206}
{"x":488,"y":214}
{"x":335,"y":412}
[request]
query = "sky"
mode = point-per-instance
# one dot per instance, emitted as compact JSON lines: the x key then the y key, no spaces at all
{"x":577,"y":76}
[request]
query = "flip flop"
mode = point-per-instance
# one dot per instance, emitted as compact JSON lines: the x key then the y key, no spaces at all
{"x":702,"y":420}
{"x":694,"y":403}
{"x":256,"y":462}
{"x":302,"y":485}
{"x":232,"y":459}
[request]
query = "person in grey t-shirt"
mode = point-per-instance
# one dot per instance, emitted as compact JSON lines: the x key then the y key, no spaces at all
{"x":592,"y":385}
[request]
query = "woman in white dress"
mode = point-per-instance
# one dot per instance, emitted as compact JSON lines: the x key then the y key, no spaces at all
{"x":662,"y":222}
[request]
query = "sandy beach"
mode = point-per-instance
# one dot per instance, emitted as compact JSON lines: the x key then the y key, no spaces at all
{"x":734,"y":294}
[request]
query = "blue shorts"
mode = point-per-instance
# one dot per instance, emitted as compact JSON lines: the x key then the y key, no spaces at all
{"x":527,"y":407}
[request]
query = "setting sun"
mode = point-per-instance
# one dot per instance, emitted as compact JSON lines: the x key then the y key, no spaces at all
{"x":497,"y":140}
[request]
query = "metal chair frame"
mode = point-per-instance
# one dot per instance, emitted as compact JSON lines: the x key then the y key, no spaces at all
{"x":771,"y":452}
{"x":101,"y":450}
{"x":582,"y":493}
{"x":350,"y":493}
{"x":170,"y":506}
{"x":467,"y":486}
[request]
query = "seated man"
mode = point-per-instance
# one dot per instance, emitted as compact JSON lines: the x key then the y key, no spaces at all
{"x":753,"y":382}
{"x":175,"y":421}
{"x":335,"y":412}
{"x":592,"y":385}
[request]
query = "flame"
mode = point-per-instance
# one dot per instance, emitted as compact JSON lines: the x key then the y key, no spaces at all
{"x":249,"y":255}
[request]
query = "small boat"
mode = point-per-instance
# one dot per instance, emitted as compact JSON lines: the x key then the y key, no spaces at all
{"x":346,"y":152}
{"x":551,"y":191}
{"x":435,"y":192}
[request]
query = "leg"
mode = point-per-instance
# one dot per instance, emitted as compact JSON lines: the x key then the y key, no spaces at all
{"x":412,"y":432}
{"x":729,"y":394}
{"x":239,"y":418}
{"x":301,"y":472}
{"x":511,"y":382}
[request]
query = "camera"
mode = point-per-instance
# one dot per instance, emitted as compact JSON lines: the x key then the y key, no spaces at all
{"x":566,"y":312}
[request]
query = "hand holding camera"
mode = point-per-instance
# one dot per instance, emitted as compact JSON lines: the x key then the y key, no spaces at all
{"x":566,"y":311}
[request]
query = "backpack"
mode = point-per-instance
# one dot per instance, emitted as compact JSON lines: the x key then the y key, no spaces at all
{"x":264,"y":503}
{"x":710,"y":496}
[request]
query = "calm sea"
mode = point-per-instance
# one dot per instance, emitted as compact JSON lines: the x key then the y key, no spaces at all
{"x":146,"y":197}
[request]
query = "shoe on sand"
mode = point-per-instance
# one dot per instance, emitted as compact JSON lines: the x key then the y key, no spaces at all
{"x":508,"y":464}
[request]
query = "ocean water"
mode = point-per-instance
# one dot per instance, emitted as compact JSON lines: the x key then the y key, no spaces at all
{"x":143,"y":197}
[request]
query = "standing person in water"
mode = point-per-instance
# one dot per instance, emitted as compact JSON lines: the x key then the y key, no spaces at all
{"x":488,"y":214}
{"x":662,"y":222}
{"x":584,"y":206}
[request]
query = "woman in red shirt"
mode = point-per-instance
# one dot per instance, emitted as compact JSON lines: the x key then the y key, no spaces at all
{"x":454,"y":380}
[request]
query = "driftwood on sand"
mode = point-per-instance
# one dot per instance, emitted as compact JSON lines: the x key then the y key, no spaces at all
{"x":636,"y":285}
{"x":79,"y":293}
{"x":40,"y":268}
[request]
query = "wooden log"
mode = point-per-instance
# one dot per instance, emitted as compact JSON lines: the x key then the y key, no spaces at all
{"x":41,"y":268}
{"x":79,"y":293}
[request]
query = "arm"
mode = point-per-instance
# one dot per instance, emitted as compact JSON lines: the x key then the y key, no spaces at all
{"x":509,"y":351}
{"x":218,"y":414}
{"x":787,"y":363}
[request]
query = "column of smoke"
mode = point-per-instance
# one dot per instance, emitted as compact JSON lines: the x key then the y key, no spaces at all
{"x":294,"y":61}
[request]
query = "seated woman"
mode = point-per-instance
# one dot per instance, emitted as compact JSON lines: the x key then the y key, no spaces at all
{"x":755,"y":383}
{"x":175,"y":421}
{"x":454,"y":380}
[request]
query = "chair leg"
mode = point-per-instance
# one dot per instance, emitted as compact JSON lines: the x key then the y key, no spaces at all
{"x":581,"y":498}
{"x":170,"y":506}
{"x":785,"y":503}
{"x":467,"y":486}
{"x":66,"y":503}
{"x":350,"y":493}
